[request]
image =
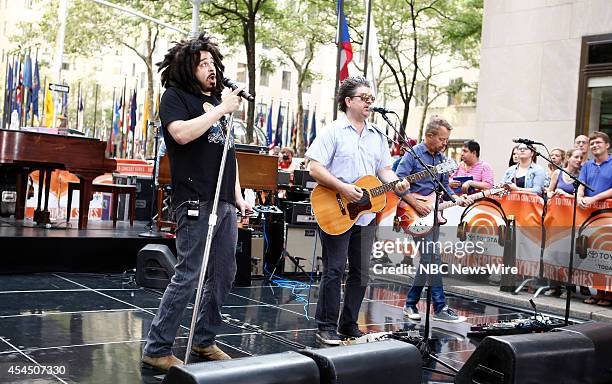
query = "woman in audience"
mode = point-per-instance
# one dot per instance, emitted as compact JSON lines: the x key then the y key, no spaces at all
{"x":557,"y":155}
{"x":526,"y":175}
{"x":561,"y":184}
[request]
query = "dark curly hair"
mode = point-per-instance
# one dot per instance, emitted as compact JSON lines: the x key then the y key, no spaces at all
{"x":180,"y":62}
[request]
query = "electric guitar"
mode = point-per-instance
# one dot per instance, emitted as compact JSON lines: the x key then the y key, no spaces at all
{"x":336,"y":215}
{"x":408,"y":219}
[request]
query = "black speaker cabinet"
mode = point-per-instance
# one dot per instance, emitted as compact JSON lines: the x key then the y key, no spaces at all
{"x":537,"y":358}
{"x":155,"y":266}
{"x":601,"y":336}
{"x":381,"y":362}
{"x":243,"y":258}
{"x":279,"y":368}
{"x":144,"y":194}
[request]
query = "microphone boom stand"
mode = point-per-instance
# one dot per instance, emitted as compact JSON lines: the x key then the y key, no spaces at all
{"x":212,"y":222}
{"x":151,"y":233}
{"x":577,"y":183}
{"x":439,"y":190}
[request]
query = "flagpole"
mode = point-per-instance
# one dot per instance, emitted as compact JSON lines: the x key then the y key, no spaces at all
{"x":6,"y":90}
{"x":339,"y":49}
{"x":95,"y":110}
{"x":112,"y":127}
{"x":367,"y":41}
{"x":122,"y":116}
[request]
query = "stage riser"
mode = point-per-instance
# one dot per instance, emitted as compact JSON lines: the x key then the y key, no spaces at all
{"x":72,"y":254}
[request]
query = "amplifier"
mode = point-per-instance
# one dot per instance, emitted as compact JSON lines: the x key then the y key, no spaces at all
{"x":144,"y":193}
{"x":302,"y":178}
{"x":299,"y":213}
{"x":301,"y":243}
{"x":283,"y":178}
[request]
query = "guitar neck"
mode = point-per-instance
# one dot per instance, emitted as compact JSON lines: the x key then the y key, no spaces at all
{"x":391,"y":185}
{"x":475,"y":196}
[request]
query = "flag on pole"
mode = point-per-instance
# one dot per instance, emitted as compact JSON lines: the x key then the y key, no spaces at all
{"x":313,"y":128}
{"x":49,"y":108}
{"x":145,"y":118}
{"x":116,"y":118}
{"x":293,"y":134}
{"x":80,"y":112}
{"x":35,"y":90}
{"x":374,"y":60}
{"x":305,"y":129}
{"x":270,"y":143}
{"x":133,"y":112}
{"x":343,"y":38}
{"x":260,"y":116}
{"x":278,"y":138}
{"x":27,"y":88}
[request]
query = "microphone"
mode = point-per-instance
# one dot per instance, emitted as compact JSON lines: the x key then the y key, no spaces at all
{"x":380,"y":110}
{"x":244,"y":94}
{"x":525,"y":141}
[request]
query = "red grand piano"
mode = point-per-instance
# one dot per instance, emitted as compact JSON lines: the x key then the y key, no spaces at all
{"x":30,"y":151}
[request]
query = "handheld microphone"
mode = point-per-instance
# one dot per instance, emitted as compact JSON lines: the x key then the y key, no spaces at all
{"x":380,"y":110}
{"x":525,"y":141}
{"x":244,"y":94}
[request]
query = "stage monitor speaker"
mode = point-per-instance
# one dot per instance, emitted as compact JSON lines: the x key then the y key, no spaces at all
{"x":380,"y":362}
{"x":278,"y":368}
{"x":536,"y":358}
{"x":601,"y":336}
{"x":301,"y":245}
{"x":142,"y":203}
{"x":155,"y":266}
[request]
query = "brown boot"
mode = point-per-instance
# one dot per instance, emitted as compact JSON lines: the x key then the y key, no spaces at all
{"x":212,"y":352}
{"x":163,"y":363}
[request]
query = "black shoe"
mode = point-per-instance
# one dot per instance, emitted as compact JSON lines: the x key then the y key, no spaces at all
{"x":350,"y":333}
{"x":328,"y":337}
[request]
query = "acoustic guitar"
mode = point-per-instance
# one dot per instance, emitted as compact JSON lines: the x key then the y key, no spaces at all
{"x":408,"y":219}
{"x":336,"y":215}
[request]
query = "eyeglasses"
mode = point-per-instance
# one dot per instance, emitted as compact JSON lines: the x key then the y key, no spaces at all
{"x":366,"y":98}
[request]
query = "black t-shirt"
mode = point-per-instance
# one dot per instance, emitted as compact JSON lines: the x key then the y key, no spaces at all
{"x":194,"y":167}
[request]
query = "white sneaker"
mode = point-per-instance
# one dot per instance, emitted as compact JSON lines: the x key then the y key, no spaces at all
{"x":448,"y":315}
{"x":412,"y":312}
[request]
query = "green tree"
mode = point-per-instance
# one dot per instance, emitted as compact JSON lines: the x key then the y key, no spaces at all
{"x":239,"y":21}
{"x":412,"y":32}
{"x":299,"y":29}
{"x":92,"y":29}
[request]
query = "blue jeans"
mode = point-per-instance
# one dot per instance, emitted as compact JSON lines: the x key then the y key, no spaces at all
{"x":429,"y":255}
{"x":220,"y":273}
{"x":356,"y":246}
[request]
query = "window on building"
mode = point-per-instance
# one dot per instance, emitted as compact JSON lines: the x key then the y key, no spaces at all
{"x":453,"y":150}
{"x":133,"y":69}
{"x":65,"y":66}
{"x":454,"y":91}
{"x":264,"y":77}
{"x":595,"y":86}
{"x":241,"y":73}
{"x":307,"y":87}
{"x":143,"y":79}
{"x":286,"y":80}
{"x":28,"y":3}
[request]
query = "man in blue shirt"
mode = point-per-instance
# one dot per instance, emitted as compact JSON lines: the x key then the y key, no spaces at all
{"x":596,"y":172}
{"x":344,"y":151}
{"x":430,"y":151}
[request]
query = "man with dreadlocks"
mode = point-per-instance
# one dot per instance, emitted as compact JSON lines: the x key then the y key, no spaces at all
{"x":190,"y":111}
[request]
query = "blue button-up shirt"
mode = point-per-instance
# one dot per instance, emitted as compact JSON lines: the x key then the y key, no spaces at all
{"x":535,"y":178}
{"x":598,"y":176}
{"x":348,"y":155}
{"x":409,"y":165}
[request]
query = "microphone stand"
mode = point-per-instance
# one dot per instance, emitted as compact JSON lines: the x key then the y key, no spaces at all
{"x":439,"y":190}
{"x":151,"y":233}
{"x":212,"y":222}
{"x":576,"y":183}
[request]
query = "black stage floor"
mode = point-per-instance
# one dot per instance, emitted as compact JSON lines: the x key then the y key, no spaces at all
{"x":94,"y":325}
{"x":62,"y":247}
